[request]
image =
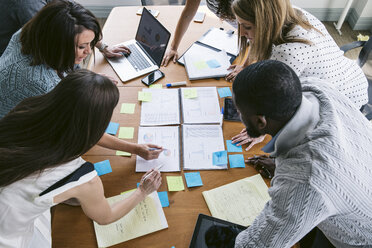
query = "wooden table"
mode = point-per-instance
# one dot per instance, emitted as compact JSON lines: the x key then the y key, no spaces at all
{"x":70,"y":226}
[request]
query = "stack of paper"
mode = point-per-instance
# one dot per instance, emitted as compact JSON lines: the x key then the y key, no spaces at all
{"x":221,"y":40}
{"x":147,"y":217}
{"x":239,"y":202}
{"x":167,"y":137}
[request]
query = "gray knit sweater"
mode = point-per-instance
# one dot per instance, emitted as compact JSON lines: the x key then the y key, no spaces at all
{"x":323,"y":175}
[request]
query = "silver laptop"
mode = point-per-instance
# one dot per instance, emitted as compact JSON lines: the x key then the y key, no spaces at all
{"x":147,"y":49}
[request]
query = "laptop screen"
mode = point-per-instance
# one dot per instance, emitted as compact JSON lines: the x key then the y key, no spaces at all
{"x":153,"y":36}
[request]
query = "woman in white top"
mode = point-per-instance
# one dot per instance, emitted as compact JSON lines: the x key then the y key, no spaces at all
{"x":41,"y":141}
{"x":275,"y":30}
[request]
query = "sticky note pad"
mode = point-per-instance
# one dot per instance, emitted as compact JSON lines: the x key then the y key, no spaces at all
{"x":213,"y":63}
{"x":193,"y":179}
{"x":126,"y":132}
{"x":103,"y":167}
{"x":232,"y":147}
{"x":122,"y":193}
{"x":127,"y":108}
{"x":163,"y":196}
{"x":220,"y":158}
{"x":121,"y":153}
{"x":156,"y":86}
{"x":175,"y":183}
{"x":236,"y":161}
{"x":224,"y":92}
{"x":200,"y":64}
{"x":112,"y":128}
{"x":138,"y":184}
{"x":190,"y":93}
{"x":144,"y":96}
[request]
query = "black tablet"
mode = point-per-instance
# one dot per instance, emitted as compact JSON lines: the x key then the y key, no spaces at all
{"x":212,"y":232}
{"x":229,"y":112}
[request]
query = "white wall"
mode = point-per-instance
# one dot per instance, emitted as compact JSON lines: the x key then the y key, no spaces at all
{"x":324,"y":4}
{"x":367,"y":11}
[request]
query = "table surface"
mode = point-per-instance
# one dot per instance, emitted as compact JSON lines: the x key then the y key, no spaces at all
{"x":70,"y":226}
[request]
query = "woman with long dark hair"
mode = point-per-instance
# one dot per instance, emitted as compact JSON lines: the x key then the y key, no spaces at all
{"x":41,"y":143}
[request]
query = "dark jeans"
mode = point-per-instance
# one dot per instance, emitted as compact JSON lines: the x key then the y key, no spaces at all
{"x":315,"y":239}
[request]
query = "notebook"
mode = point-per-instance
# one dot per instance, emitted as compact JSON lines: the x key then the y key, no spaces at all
{"x":147,"y":49}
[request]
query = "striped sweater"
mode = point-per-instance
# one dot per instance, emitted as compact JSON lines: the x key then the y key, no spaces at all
{"x":323,"y":175}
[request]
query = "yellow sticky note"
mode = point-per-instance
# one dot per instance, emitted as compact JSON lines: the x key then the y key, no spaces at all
{"x":126,"y":132}
{"x":125,"y":192}
{"x":200,"y":64}
{"x":144,"y":96}
{"x":175,"y":183}
{"x":156,"y":86}
{"x":121,"y":153}
{"x":190,"y":93}
{"x":127,"y":108}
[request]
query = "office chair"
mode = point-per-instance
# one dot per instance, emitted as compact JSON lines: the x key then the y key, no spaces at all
{"x":365,"y":62}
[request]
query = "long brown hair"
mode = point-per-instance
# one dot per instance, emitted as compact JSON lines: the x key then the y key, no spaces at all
{"x":273,"y":20}
{"x":49,"y":37}
{"x":46,"y":131}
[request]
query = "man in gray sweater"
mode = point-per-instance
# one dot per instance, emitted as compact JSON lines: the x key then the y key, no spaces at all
{"x":323,"y":151}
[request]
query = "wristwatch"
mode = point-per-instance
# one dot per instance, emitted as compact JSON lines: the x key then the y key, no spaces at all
{"x":102,"y":47}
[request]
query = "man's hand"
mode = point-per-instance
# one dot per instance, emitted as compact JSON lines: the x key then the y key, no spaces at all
{"x":171,"y":53}
{"x":243,"y":138}
{"x":263,"y":164}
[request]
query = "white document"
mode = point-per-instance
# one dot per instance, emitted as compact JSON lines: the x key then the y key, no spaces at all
{"x":204,"y":62}
{"x":199,"y":144}
{"x":221,"y":40}
{"x":163,"y":109}
{"x":147,"y":217}
{"x":168,"y":138}
{"x":239,"y":202}
{"x":205,"y":108}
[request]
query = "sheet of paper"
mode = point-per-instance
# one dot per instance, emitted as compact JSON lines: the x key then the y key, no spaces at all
{"x":219,"y":39}
{"x":163,"y":196}
{"x":126,"y":133}
{"x":103,"y":167}
{"x":193,"y":179}
{"x":199,"y":144}
{"x":203,"y":109}
{"x":127,"y":108}
{"x":175,"y":183}
{"x":239,"y":202}
{"x":206,"y":63}
{"x":168,"y":138}
{"x":233,"y":147}
{"x":144,"y":96}
{"x":164,"y":108}
{"x":147,"y":217}
{"x":236,"y":161}
{"x":112,"y":128}
{"x":125,"y":154}
{"x":224,"y":92}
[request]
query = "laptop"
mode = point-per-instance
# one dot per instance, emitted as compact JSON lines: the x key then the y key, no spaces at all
{"x":147,"y":49}
{"x":212,"y":232}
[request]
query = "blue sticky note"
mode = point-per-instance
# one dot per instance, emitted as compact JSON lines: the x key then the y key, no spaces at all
{"x":213,"y":63}
{"x":163,"y":196}
{"x":224,"y":92}
{"x":193,"y":179}
{"x":103,"y":167}
{"x":232,"y":147}
{"x":236,"y":161}
{"x":220,"y":158}
{"x":112,"y":128}
{"x":138,"y":184}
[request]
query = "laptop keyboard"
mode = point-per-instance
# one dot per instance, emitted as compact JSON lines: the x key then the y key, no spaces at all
{"x":136,"y":58}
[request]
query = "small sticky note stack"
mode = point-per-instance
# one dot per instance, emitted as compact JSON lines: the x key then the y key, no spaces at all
{"x":220,"y":158}
{"x":190,"y":93}
{"x":175,"y":183}
{"x":144,"y":96}
{"x":103,"y":167}
{"x":193,"y":179}
{"x":126,"y":132}
{"x":112,"y":128}
{"x":224,"y":92}
{"x":127,"y":108}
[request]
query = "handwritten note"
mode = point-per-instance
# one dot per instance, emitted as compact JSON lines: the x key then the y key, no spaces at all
{"x":236,"y":161}
{"x":220,"y":158}
{"x":224,"y":92}
{"x":121,"y":153}
{"x":127,"y":108}
{"x":112,"y":128}
{"x":103,"y":167}
{"x":126,"y":132}
{"x":190,"y":93}
{"x":144,"y":96}
{"x":175,"y":183}
{"x":232,"y":147}
{"x":193,"y":179}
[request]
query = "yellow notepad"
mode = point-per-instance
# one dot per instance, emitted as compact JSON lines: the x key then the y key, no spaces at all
{"x":239,"y":202}
{"x":147,"y":217}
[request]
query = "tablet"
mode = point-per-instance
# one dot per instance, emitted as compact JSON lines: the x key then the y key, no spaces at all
{"x":212,"y":232}
{"x":229,"y":112}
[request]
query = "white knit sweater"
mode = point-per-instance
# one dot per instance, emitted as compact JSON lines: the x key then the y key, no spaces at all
{"x":323,"y":175}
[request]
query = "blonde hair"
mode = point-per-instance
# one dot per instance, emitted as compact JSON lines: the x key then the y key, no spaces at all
{"x":273,"y":20}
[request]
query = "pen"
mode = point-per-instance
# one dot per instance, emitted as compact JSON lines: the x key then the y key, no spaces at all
{"x":183,"y":83}
{"x":156,"y":168}
{"x":154,"y":149}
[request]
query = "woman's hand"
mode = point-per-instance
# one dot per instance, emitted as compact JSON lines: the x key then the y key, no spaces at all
{"x":115,"y":51}
{"x":263,"y":164}
{"x":235,"y":70}
{"x":148,"y":151}
{"x":150,"y":182}
{"x":171,"y":53}
{"x":243,"y":138}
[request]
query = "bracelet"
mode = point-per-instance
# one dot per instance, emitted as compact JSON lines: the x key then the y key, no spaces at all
{"x":102,"y":47}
